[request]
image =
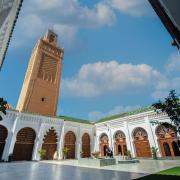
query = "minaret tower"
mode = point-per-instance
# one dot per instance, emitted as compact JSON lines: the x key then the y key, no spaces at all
{"x":40,"y":90}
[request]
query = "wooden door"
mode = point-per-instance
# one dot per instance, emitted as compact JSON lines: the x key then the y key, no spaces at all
{"x":141,"y":143}
{"x":70,"y":140}
{"x":104,"y":144}
{"x":86,"y":145}
{"x":50,"y":144}
{"x":142,"y":148}
{"x":3,"y":136}
{"x":23,"y":147}
{"x":120,"y":143}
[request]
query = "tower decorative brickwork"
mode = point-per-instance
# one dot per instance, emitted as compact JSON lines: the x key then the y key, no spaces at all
{"x":40,"y":89}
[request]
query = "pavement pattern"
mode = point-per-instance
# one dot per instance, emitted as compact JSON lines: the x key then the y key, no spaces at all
{"x":70,"y":170}
{"x":145,"y":166}
{"x":47,"y":171}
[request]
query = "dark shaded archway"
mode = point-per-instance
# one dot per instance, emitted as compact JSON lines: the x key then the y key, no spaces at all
{"x":104,"y":144}
{"x":24,"y":145}
{"x":166,"y":135}
{"x":120,"y":143}
{"x":50,"y":144}
{"x":70,"y":143}
{"x":175,"y":148}
{"x":167,"y":149}
{"x":141,"y":143}
{"x":3,"y":136}
{"x":86,"y":149}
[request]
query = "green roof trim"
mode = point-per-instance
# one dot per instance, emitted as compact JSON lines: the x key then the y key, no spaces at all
{"x":125,"y":114}
{"x":75,"y":120}
{"x":110,"y":118}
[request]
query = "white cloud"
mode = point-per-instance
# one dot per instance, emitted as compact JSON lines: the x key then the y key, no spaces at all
{"x":29,"y":27}
{"x":70,"y":15}
{"x":66,"y":16}
{"x":96,"y":115}
{"x":131,"y":7}
{"x":162,"y":89}
{"x":66,"y":33}
{"x":171,"y":78}
{"x":108,"y":77}
{"x":173,"y":63}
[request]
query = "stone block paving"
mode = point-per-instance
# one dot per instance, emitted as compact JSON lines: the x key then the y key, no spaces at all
{"x":47,"y":171}
{"x":145,"y":166}
{"x":70,"y":170}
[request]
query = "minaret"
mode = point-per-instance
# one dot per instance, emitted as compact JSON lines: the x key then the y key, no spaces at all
{"x":40,"y":89}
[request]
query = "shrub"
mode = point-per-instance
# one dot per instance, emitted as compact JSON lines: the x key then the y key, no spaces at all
{"x":42,"y":153}
{"x":154,"y":152}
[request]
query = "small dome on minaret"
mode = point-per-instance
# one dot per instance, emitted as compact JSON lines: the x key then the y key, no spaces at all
{"x":51,"y":37}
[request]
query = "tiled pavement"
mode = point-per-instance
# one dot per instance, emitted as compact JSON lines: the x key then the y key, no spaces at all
{"x":145,"y":166}
{"x":47,"y":171}
{"x":70,"y":170}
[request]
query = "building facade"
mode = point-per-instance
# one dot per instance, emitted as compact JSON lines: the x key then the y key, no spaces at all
{"x":24,"y":134}
{"x":34,"y":125}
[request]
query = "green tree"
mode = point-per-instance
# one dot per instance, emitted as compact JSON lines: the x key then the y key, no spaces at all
{"x":3,"y":107}
{"x":171,"y":106}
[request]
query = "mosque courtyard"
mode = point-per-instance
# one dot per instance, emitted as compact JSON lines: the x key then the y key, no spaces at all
{"x":69,"y":169}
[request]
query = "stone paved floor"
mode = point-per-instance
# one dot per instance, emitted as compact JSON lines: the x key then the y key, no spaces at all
{"x":51,"y":171}
{"x":145,"y":166}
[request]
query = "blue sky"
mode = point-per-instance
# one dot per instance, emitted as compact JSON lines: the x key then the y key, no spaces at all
{"x":118,"y":55}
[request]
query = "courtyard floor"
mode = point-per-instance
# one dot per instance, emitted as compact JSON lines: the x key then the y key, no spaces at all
{"x":66,"y":170}
{"x":145,"y":166}
{"x":48,"y":171}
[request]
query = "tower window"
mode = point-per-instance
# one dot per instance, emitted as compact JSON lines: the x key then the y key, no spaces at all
{"x":42,"y":99}
{"x":51,"y":38}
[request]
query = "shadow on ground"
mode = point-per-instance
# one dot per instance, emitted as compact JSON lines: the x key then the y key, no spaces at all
{"x":159,"y":177}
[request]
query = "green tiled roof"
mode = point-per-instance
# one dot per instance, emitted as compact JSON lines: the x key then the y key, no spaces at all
{"x":125,"y":114}
{"x":137,"y":111}
{"x":75,"y":120}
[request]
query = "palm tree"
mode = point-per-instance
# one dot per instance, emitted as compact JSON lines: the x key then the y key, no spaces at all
{"x":3,"y":107}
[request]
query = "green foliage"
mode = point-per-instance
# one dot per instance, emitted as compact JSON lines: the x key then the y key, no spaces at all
{"x":154,"y":152}
{"x":167,"y":174}
{"x":3,"y":107}
{"x":173,"y":171}
{"x":65,"y":150}
{"x":42,"y":153}
{"x":171,"y":106}
{"x":129,"y":154}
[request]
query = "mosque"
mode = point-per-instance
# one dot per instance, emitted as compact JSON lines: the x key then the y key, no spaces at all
{"x":34,"y":124}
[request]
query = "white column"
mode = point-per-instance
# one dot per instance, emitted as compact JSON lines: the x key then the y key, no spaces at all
{"x":129,"y":139}
{"x":11,"y":139}
{"x":37,"y":144}
{"x":7,"y":146}
{"x":78,"y":143}
{"x":111,"y":138}
{"x":152,"y":136}
{"x":95,"y":137}
{"x":78,"y":150}
{"x":61,"y":143}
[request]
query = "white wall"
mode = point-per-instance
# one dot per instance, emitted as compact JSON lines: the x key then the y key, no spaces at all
{"x":14,"y":121}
